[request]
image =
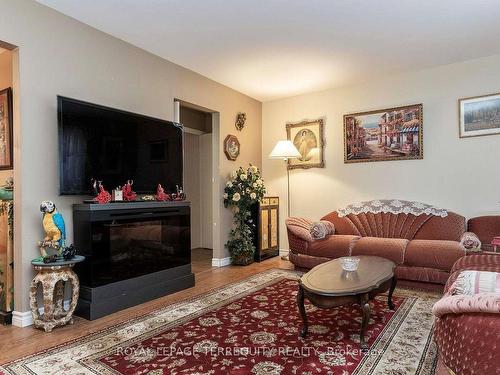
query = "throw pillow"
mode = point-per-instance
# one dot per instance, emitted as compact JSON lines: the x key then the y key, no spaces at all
{"x":474,"y":282}
{"x":321,"y":229}
{"x":470,"y":242}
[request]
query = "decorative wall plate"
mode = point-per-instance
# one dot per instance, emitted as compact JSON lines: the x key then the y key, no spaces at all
{"x":231,"y":147}
{"x":241,"y":117}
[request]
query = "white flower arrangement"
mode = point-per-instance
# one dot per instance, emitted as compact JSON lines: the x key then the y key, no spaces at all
{"x":244,"y":189}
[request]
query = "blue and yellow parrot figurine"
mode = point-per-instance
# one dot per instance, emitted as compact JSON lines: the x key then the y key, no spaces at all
{"x":53,"y":224}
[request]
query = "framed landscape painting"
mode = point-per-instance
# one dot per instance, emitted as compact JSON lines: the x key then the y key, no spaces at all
{"x":479,"y":115}
{"x":387,"y":134}
{"x":6,"y":129}
{"x":307,"y":136}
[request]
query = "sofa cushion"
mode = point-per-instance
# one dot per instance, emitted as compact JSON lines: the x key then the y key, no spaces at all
{"x":448,"y":228}
{"x":335,"y":246}
{"x":421,"y":274}
{"x":389,"y":248}
{"x":436,"y":254}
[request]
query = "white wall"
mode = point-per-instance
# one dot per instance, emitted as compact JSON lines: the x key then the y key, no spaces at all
{"x":460,"y":174}
{"x":61,"y":56}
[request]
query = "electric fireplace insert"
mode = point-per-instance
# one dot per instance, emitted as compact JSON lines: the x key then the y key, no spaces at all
{"x":134,"y":252}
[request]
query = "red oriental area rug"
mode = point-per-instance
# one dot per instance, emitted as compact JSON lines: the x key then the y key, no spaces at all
{"x":252,"y":327}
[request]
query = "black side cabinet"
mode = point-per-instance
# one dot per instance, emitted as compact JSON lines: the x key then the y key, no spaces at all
{"x":265,"y":216}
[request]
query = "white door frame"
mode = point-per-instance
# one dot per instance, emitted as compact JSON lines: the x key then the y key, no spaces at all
{"x":217,"y":247}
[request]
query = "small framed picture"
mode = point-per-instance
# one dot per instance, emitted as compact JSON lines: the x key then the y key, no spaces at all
{"x":479,"y":115}
{"x":231,"y":147}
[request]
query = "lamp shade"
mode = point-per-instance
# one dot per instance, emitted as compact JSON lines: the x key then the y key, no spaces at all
{"x":284,"y":150}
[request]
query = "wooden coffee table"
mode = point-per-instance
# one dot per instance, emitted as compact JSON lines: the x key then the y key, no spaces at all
{"x":328,"y":285}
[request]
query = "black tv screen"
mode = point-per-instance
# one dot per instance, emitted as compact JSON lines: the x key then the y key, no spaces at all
{"x":114,"y":146}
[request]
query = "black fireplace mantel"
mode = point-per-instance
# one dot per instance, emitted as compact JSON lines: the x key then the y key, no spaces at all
{"x":135,"y":252}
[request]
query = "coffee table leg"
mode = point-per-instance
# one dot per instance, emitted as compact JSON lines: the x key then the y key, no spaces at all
{"x":365,"y":305}
{"x":302,"y":311}
{"x":391,"y":291}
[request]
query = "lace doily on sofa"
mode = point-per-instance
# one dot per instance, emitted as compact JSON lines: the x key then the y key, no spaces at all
{"x":392,"y":206}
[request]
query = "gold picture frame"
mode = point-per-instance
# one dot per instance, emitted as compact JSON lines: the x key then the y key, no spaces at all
{"x":6,"y":125}
{"x":384,"y":135}
{"x":479,"y":116}
{"x":307,"y":136}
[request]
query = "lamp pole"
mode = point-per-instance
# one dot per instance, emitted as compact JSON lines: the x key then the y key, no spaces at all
{"x":285,"y":150}
{"x":288,"y":186}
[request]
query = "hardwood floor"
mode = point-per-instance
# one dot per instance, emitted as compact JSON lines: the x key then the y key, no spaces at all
{"x":201,"y":259}
{"x":18,"y":342}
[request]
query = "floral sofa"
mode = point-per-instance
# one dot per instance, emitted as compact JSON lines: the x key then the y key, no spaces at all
{"x":467,"y":326}
{"x":423,"y":241}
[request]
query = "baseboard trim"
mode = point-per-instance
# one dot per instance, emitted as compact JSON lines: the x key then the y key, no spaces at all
{"x":284,"y":252}
{"x":221,"y":262}
{"x":22,"y":319}
{"x":25,"y":318}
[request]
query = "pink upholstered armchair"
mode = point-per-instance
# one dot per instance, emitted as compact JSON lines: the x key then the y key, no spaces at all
{"x":467,"y":327}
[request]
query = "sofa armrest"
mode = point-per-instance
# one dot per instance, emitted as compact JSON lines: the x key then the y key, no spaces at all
{"x":481,"y":262}
{"x":300,"y":228}
{"x":461,"y":304}
{"x":485,"y":227}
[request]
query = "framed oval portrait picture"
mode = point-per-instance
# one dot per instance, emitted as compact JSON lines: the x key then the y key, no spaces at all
{"x":307,"y":137}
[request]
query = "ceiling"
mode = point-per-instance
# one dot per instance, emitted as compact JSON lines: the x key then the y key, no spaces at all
{"x":270,"y":49}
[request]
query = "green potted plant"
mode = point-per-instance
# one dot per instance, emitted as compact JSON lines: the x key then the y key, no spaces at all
{"x":244,"y":188}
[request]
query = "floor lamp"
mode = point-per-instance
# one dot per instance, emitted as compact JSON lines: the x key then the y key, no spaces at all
{"x":285,"y":150}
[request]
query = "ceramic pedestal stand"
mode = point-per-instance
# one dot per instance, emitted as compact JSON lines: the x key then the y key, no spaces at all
{"x":53,"y":278}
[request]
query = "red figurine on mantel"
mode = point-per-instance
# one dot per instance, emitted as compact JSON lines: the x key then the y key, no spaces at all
{"x":161,"y":195}
{"x":128,"y":193}
{"x":103,"y":196}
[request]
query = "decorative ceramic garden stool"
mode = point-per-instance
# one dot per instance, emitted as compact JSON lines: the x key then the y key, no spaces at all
{"x":53,"y":278}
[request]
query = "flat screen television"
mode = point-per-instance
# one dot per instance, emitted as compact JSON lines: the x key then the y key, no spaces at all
{"x":113,"y":146}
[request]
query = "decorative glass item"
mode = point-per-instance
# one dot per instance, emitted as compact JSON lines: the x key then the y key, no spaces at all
{"x":244,"y":188}
{"x":349,"y":263}
{"x":117,"y":195}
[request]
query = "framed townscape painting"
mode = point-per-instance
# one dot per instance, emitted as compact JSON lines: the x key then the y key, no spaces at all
{"x":479,"y":115}
{"x":6,"y":129}
{"x":386,"y":134}
{"x":307,"y":136}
